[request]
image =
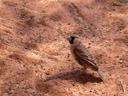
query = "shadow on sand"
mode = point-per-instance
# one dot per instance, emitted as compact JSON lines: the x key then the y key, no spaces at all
{"x":78,"y":75}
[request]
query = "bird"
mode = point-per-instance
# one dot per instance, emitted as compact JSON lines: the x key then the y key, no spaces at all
{"x":82,"y":55}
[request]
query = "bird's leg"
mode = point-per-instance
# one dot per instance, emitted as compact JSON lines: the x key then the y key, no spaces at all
{"x":84,"y":69}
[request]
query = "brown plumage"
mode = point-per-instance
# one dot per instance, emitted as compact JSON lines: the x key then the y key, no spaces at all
{"x":82,"y":55}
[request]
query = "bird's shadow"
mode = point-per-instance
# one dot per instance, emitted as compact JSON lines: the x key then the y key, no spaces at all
{"x":78,"y":75}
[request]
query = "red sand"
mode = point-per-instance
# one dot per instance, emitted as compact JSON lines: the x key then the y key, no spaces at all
{"x":33,"y":48}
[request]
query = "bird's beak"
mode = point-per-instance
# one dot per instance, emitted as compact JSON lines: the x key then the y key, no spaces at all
{"x":68,"y":38}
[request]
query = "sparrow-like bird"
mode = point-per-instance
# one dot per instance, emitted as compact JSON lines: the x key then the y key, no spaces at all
{"x":82,"y":55}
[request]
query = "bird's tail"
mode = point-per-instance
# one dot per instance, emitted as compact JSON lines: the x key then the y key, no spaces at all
{"x":100,"y":74}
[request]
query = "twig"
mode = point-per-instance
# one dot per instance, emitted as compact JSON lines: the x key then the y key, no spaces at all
{"x":122,"y":86}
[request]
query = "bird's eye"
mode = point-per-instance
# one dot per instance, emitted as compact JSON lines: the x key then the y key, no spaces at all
{"x":72,"y":39}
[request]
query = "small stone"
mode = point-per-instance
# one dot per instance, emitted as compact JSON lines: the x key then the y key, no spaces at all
{"x":116,"y":4}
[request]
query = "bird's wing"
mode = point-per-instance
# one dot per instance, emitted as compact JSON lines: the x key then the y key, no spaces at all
{"x":82,"y":53}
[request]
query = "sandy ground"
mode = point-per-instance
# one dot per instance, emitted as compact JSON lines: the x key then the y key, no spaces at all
{"x":34,"y":55}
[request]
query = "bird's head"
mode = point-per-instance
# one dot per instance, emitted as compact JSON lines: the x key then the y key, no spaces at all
{"x":73,"y":39}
